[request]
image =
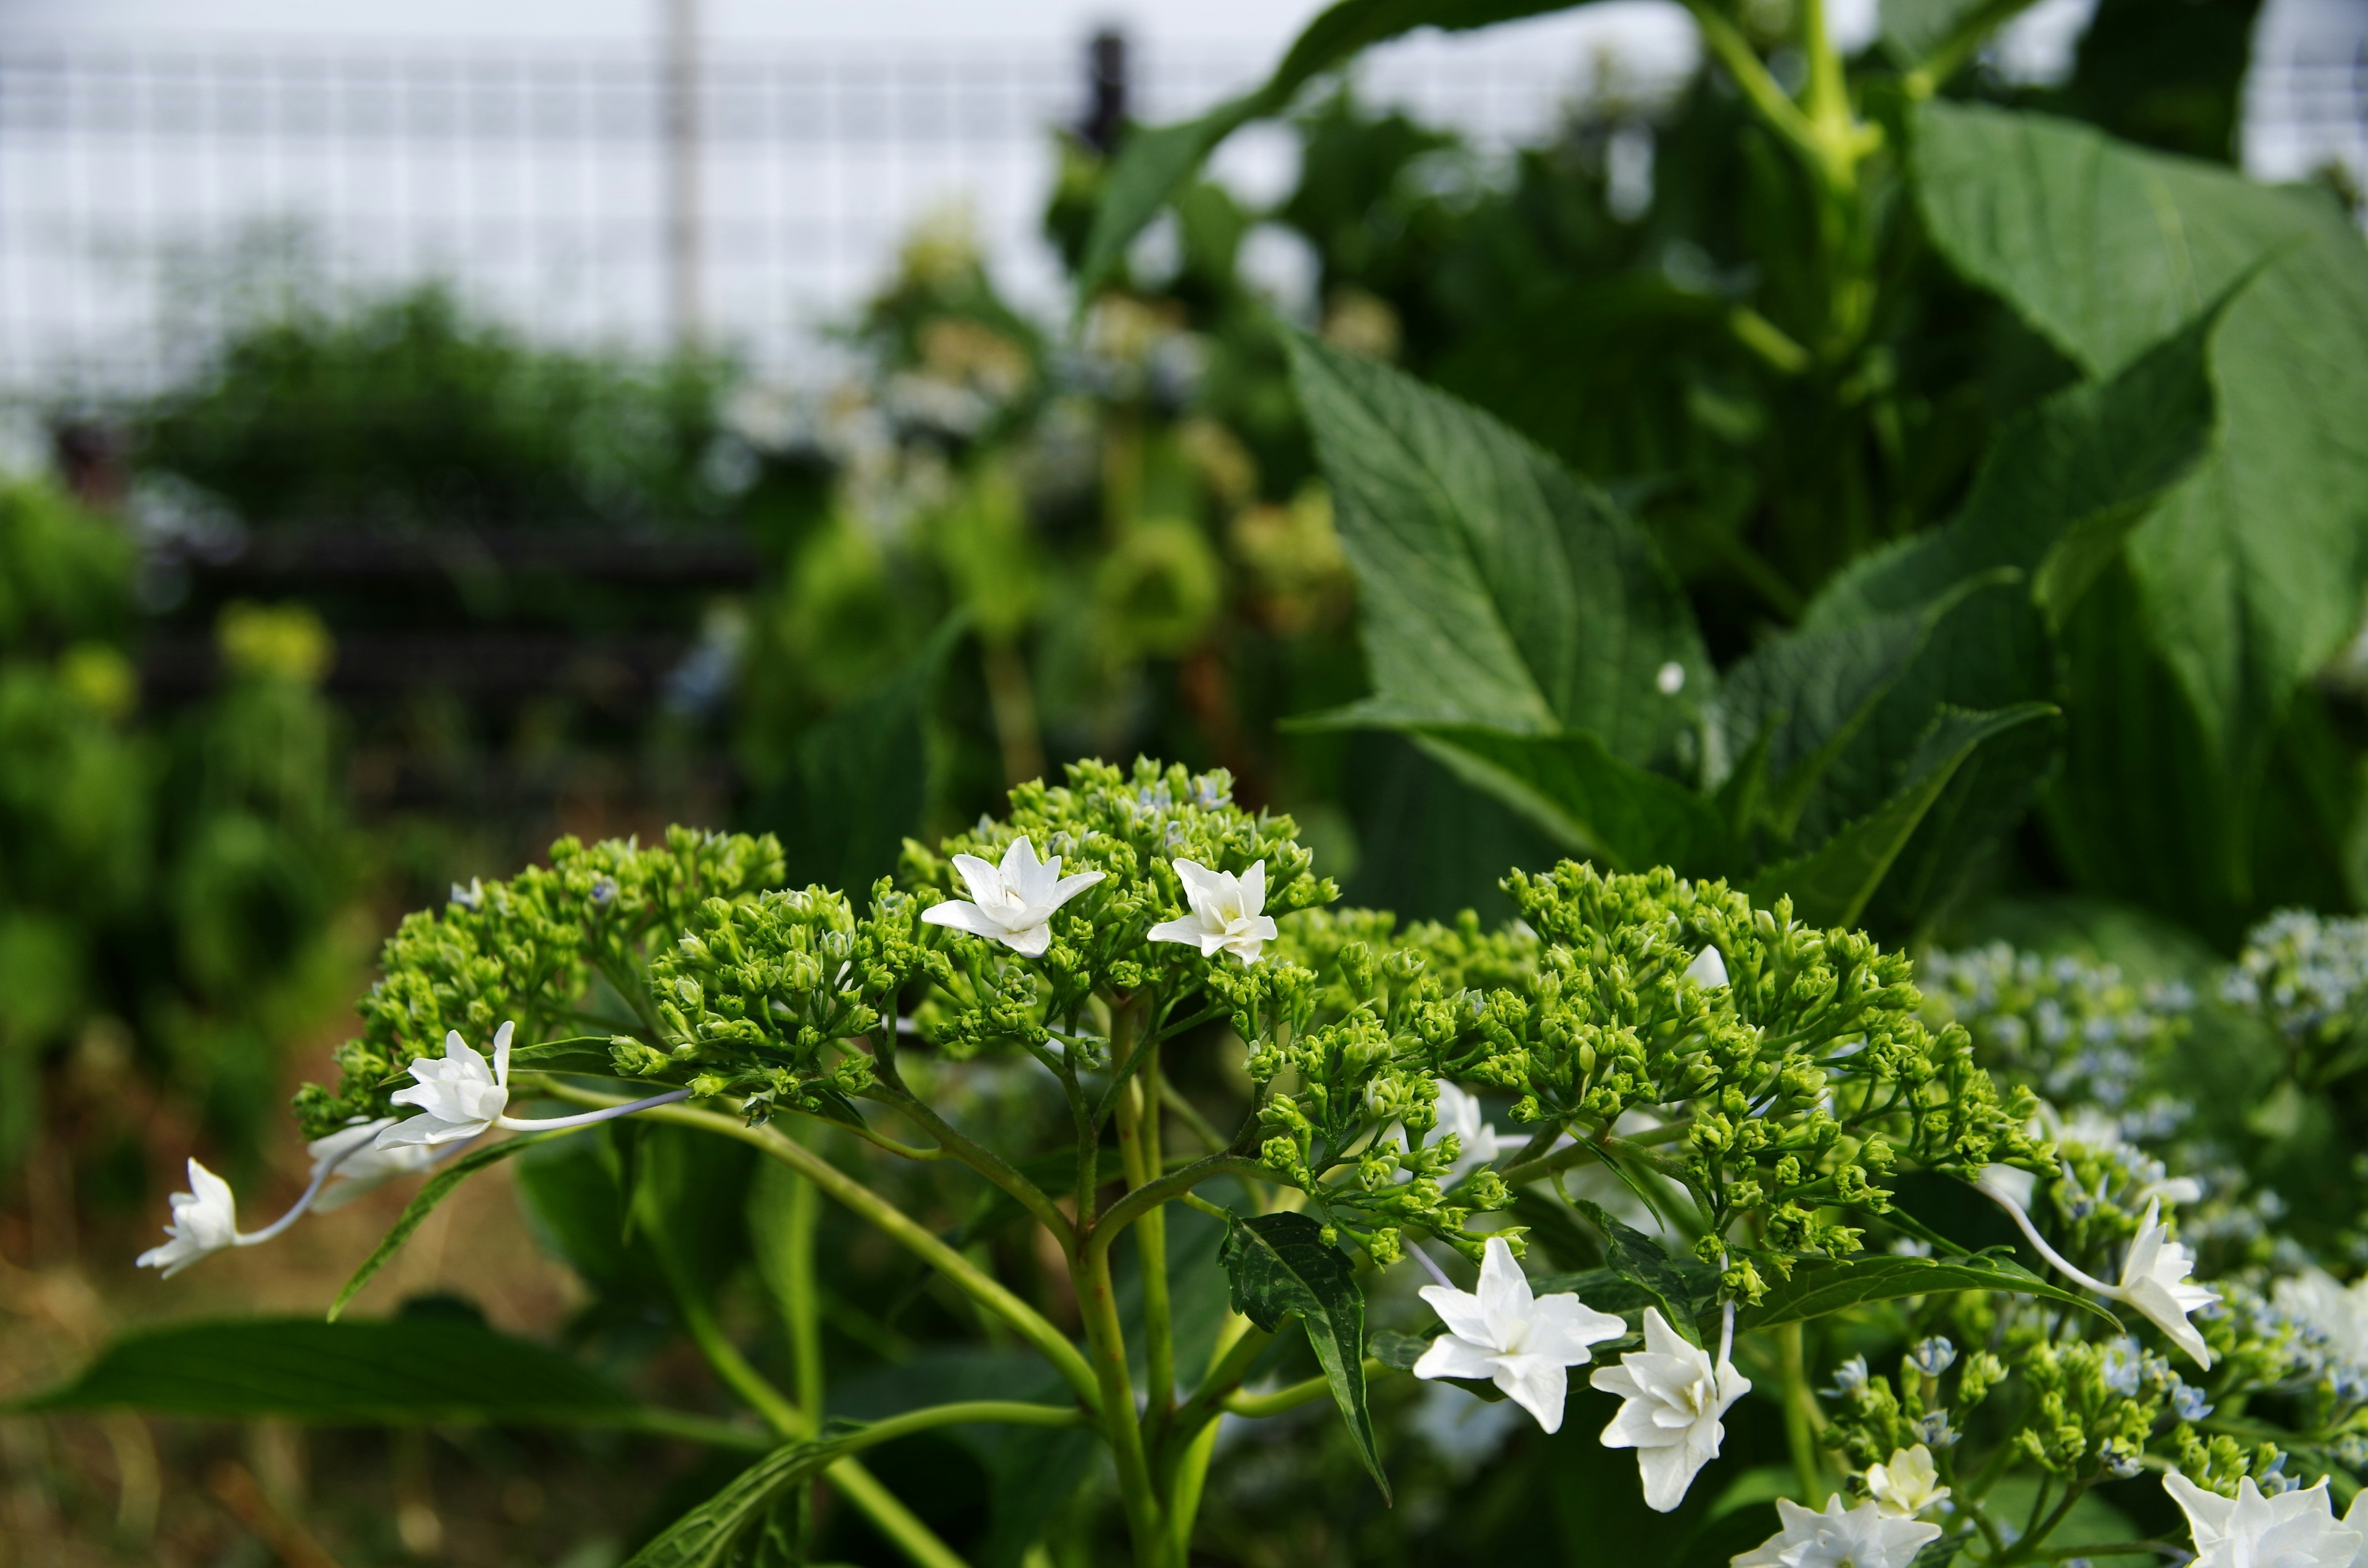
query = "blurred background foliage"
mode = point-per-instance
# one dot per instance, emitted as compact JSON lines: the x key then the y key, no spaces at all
{"x":383,"y":596}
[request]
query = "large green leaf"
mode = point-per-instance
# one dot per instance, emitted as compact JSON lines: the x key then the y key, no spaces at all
{"x":1495,"y":590}
{"x":1590,"y":802}
{"x":1807,"y":696}
{"x":1154,"y":162}
{"x":2250,"y":571}
{"x":1817,"y":1289}
{"x":399,"y":1370}
{"x":437,"y":1187}
{"x":1282,"y":1268}
{"x":1830,"y":885}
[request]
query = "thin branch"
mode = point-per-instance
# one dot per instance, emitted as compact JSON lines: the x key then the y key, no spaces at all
{"x":1167,"y":1190}
{"x":1308,"y":1392}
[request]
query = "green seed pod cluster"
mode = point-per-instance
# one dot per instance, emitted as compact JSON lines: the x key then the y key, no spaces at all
{"x":528,"y":949}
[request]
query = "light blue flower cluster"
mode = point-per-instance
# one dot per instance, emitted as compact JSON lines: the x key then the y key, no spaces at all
{"x":2070,"y":1030}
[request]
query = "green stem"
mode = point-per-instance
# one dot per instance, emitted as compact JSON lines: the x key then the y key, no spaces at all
{"x":1097,"y":1305}
{"x":803,"y":1309}
{"x":1141,"y":1110}
{"x":1291,"y":1397}
{"x":1184,"y":1493}
{"x":1965,"y":39}
{"x":1800,"y":1416}
{"x":699,"y":1429}
{"x":902,"y":1228}
{"x":1144,"y":1199}
{"x":858,"y":1485}
{"x":1230,"y":1364}
{"x":1761,"y":90}
{"x":890,"y":1090}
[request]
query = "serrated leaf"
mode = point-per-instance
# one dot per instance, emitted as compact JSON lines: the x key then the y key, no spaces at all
{"x":403,"y":1370}
{"x":1817,"y":1289}
{"x":1684,"y":1287}
{"x":1154,"y":162}
{"x":1591,"y":802}
{"x":1830,"y":885}
{"x":1280,"y":1266}
{"x":438,"y":1187}
{"x":1495,"y":590}
{"x":2250,"y":569}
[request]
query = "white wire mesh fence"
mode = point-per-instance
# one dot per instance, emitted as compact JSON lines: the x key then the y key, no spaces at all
{"x":136,"y":184}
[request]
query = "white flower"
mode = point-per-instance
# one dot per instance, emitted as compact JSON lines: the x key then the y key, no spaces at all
{"x":1519,"y":1342}
{"x":1225,"y":912}
{"x":1708,"y":970}
{"x":1670,"y":679}
{"x":1863,"y":1536}
{"x":460,"y":1097}
{"x":2154,"y":1281}
{"x":1906,"y":1483}
{"x":1015,"y":900}
{"x":2294,"y":1529}
{"x":1675,"y":1399}
{"x":356,"y":1166}
{"x":2337,"y":1311}
{"x":205,"y":1220}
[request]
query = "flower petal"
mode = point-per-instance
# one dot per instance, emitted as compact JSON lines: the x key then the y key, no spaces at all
{"x":961,"y":915}
{"x":1253,"y":886}
{"x":1029,"y":943}
{"x":1187,"y":930}
{"x":1504,"y":1290}
{"x":502,"y":1052}
{"x":1452,"y":1355}
{"x":1462,"y":1313}
{"x":1537,"y":1383}
{"x":984,"y":882}
{"x":1566,"y":1328}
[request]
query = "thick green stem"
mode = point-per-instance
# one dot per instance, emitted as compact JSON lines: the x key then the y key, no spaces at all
{"x":1184,"y":1494}
{"x":803,"y":1309}
{"x":1138,"y":1139}
{"x":890,"y":1090}
{"x":1097,"y":1305}
{"x":1800,"y":1416}
{"x":902,"y":1228}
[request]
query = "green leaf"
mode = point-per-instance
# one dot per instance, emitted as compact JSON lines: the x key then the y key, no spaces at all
{"x":1590,"y":802}
{"x":1684,"y":1287}
{"x":1819,"y":1287}
{"x":1280,"y":1266}
{"x":422,"y":1204}
{"x":2250,"y":571}
{"x":403,"y":1370}
{"x":583,"y":1055}
{"x":710,"y":1534}
{"x":1392,"y":1348}
{"x":1495,"y":588}
{"x":1807,"y":696}
{"x":1830,"y":885}
{"x":1154,"y":162}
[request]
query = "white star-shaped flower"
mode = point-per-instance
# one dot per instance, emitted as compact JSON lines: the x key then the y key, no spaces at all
{"x":1225,"y":912}
{"x":459,"y":1097}
{"x":1675,"y":1398}
{"x":1519,"y":1342}
{"x":1906,"y":1483}
{"x":356,"y":1166}
{"x":2154,"y":1281}
{"x":205,"y":1220}
{"x":1013,"y":902}
{"x":2294,"y":1529}
{"x":1863,"y":1536}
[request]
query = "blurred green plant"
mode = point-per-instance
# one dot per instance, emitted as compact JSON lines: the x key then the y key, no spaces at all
{"x":171,"y":887}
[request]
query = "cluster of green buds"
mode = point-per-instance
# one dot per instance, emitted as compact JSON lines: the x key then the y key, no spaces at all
{"x":1937,"y":1390}
{"x":528,"y":949}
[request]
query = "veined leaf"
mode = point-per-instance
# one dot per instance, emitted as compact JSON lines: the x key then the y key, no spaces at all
{"x":402,"y":1370}
{"x":1282,"y":1268}
{"x":1495,"y":590}
{"x":422,"y":1204}
{"x":1684,"y":1287}
{"x":1589,"y":801}
{"x":710,"y":1534}
{"x":1817,"y":1289}
{"x":2250,"y":569}
{"x":1155,"y":161}
{"x":1830,"y":885}
{"x":1807,"y":696}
